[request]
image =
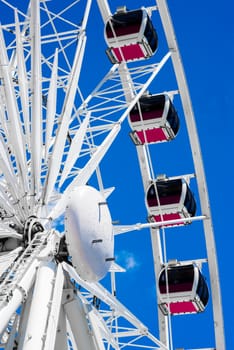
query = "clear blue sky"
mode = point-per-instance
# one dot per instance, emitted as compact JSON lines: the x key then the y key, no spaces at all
{"x":205,"y":33}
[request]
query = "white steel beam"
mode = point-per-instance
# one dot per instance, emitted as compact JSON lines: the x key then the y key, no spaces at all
{"x":18,"y":296}
{"x":51,"y":104}
{"x":74,"y":149}
{"x":71,"y":340}
{"x":11,"y":338}
{"x":24,"y":319}
{"x":163,"y":321}
{"x":101,"y":293}
{"x":96,"y":158}
{"x":11,"y":208}
{"x":61,"y":136}
{"x":61,"y":337}
{"x":146,"y":178}
{"x":104,"y":9}
{"x":51,"y":329}
{"x":200,"y":174}
{"x":40,"y":307}
{"x":79,"y":326}
{"x":22,"y":79}
{"x":98,"y":327}
{"x":86,"y":172}
{"x":36,"y":110}
{"x":8,"y":171}
{"x":13,"y":116}
{"x":119,"y":229}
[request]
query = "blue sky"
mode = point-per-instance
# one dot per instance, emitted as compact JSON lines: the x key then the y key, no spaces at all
{"x":205,"y":32}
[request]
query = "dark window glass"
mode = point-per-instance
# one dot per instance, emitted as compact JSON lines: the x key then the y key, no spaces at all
{"x":189,"y":202}
{"x":124,"y":23}
{"x":202,"y":290}
{"x":151,"y":107}
{"x":179,"y":279}
{"x":151,"y":35}
{"x":169,"y":192}
{"x":173,"y":119}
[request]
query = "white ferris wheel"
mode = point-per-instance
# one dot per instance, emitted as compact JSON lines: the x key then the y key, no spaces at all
{"x":60,"y":118}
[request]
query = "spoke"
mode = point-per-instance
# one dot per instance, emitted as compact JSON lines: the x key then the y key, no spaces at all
{"x":36,"y":135}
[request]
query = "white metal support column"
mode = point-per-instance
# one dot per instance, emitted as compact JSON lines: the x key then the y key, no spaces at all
{"x":39,"y":311}
{"x":36,"y":117}
{"x":18,"y":296}
{"x":200,"y":175}
{"x":52,"y":325}
{"x":23,"y":319}
{"x":61,"y":337}
{"x":146,"y":178}
{"x":78,"y":323}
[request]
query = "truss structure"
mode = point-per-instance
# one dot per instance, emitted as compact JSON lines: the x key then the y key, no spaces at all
{"x":54,"y":136}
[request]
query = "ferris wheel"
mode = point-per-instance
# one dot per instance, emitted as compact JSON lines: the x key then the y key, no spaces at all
{"x":60,"y":118}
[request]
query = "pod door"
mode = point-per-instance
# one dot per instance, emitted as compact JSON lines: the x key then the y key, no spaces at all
{"x":153,"y":119}
{"x":130,"y":35}
{"x":170,"y":199}
{"x":182,"y":290}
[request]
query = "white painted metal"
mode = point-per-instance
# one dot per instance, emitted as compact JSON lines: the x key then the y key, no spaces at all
{"x":119,"y":229}
{"x":22,"y":79}
{"x":51,"y":105}
{"x":91,"y":165}
{"x":120,"y":310}
{"x":61,"y":336}
{"x":75,"y":149}
{"x":86,"y":172}
{"x":24,"y":319}
{"x":56,"y":299}
{"x":163,"y":321}
{"x":11,"y":338}
{"x":146,"y":178}
{"x":8,"y":172}
{"x":8,"y":258}
{"x":18,"y":296}
{"x":89,"y":234}
{"x":66,"y":111}
{"x":61,"y":136}
{"x":68,"y":140}
{"x":104,"y":9}
{"x":96,"y":325}
{"x":71,"y":342}
{"x":200,"y":174}
{"x":13,"y":112}
{"x":36,"y":111}
{"x":77,"y":319}
{"x":40,"y":307}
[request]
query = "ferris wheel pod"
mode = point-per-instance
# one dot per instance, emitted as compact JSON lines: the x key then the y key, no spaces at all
{"x":170,"y":199}
{"x":182,"y":290}
{"x":153,"y":119}
{"x":130,"y":35}
{"x":89,"y":233}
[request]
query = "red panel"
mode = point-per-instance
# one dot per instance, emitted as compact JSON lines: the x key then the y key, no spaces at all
{"x":167,"y":217}
{"x":183,"y":307}
{"x":152,"y":135}
{"x":172,"y":216}
{"x":130,"y":52}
